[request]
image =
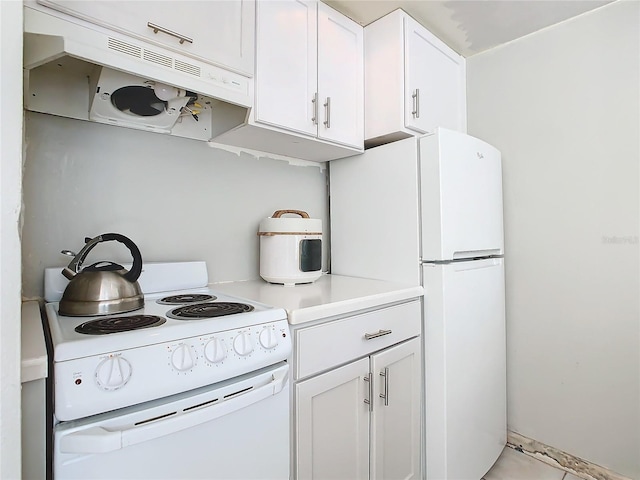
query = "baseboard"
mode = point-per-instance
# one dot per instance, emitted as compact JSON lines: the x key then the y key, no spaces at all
{"x":558,"y":458}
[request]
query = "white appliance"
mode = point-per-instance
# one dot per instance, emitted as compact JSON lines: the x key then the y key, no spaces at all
{"x":429,"y":210}
{"x":61,"y":51}
{"x":192,"y":385}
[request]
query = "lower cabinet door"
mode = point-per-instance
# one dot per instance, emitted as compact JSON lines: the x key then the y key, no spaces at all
{"x":395,"y":417}
{"x":332,"y":424}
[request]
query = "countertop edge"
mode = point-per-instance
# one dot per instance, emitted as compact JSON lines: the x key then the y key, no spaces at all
{"x":345,"y":307}
{"x":34,"y":361}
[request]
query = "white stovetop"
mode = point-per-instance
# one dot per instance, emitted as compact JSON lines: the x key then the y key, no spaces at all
{"x":329,"y":296}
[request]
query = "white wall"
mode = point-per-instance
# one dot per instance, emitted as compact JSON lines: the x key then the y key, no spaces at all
{"x":177,"y":199}
{"x":10,"y":175}
{"x":563,"y":107}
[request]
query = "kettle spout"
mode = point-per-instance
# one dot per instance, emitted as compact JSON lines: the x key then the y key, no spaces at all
{"x":67,"y":272}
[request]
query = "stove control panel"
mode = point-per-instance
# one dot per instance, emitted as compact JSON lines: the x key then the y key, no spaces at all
{"x":95,"y":384}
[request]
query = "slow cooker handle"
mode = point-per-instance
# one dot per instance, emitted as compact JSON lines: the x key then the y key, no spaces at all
{"x":279,"y":213}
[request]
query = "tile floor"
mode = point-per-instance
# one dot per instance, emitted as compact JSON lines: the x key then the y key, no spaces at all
{"x":514,"y":465}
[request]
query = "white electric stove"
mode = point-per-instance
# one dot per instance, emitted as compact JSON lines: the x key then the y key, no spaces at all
{"x":191,"y":355}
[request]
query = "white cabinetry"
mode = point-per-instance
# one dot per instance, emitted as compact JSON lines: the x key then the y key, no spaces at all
{"x":286,"y":64}
{"x":340,"y":78}
{"x":332,"y":424}
{"x":309,"y":85}
{"x":359,"y":420}
{"x":310,"y":71}
{"x":220,"y":32}
{"x":413,"y":81}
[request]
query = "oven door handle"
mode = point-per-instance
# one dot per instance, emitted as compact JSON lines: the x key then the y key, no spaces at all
{"x":97,"y":439}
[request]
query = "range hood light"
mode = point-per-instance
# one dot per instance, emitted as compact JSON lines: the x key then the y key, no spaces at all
{"x":167,"y":92}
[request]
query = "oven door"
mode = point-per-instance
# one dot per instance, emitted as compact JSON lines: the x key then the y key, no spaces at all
{"x":236,"y":429}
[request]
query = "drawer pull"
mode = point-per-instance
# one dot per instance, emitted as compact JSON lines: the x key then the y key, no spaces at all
{"x":379,"y":333}
{"x":158,"y":28}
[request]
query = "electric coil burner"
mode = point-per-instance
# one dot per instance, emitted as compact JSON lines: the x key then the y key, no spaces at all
{"x":185,"y":298}
{"x":208,"y":310}
{"x":104,"y":326}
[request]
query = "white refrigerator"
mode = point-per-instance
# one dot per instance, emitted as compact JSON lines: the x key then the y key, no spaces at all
{"x":428,"y":211}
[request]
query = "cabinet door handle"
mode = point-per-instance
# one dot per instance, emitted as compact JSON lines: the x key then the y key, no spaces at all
{"x":385,"y":373}
{"x":379,"y":333}
{"x":314,"y":101}
{"x":368,"y":400}
{"x":327,"y":112}
{"x":158,"y":28}
{"x":416,"y":103}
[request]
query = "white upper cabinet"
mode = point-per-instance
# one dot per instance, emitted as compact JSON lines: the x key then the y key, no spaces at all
{"x":220,"y":32}
{"x":286,"y":64}
{"x":413,"y":81}
{"x":340,"y":78}
{"x":309,"y":83}
{"x":310,"y":71}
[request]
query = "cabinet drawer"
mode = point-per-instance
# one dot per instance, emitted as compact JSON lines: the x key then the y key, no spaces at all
{"x":323,"y":346}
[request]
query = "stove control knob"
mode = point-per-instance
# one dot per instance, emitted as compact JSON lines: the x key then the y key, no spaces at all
{"x":214,"y":351}
{"x":268,"y":338}
{"x":113,"y":372}
{"x":182,"y":358}
{"x":242,"y":344}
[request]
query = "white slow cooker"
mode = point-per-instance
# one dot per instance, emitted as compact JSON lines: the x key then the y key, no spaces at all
{"x":290,"y":248}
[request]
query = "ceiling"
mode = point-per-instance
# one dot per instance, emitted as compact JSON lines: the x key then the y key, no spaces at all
{"x":472,"y":26}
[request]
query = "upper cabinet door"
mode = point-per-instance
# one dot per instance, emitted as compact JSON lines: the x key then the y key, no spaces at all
{"x":340,"y":78}
{"x":434,"y":82}
{"x":413,"y":81}
{"x":286,"y":65}
{"x":220,"y":32}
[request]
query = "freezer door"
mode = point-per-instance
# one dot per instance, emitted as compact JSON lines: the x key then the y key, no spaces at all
{"x":461,"y":197}
{"x":465,"y":368}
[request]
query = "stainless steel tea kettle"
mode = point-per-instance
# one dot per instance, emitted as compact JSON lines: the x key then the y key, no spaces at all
{"x":103,"y":288}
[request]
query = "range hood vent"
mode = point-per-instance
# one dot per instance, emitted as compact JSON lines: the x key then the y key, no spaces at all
{"x":152,"y":56}
{"x":60,"y":54}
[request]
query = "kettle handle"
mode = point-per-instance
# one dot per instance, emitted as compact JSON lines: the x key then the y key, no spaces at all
{"x":136,"y":269}
{"x":132,"y":275}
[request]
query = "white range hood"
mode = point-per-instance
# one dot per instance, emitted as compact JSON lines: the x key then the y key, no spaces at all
{"x":62,"y":52}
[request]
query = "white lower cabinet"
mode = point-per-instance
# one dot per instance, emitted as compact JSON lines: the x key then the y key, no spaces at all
{"x":395,"y":414}
{"x":332,"y":424}
{"x":361,"y":420}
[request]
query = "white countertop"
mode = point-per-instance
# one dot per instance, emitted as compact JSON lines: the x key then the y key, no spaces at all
{"x":34,"y":351}
{"x":328,"y":296}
